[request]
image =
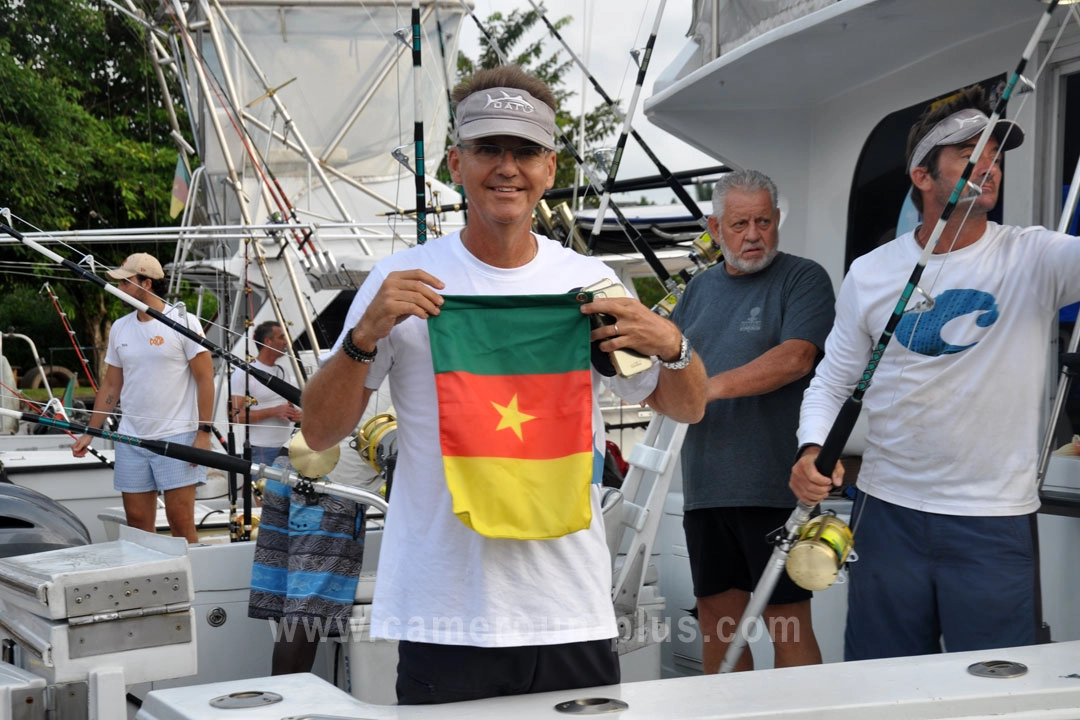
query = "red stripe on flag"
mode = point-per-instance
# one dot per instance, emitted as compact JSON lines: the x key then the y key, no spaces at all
{"x":553,"y":413}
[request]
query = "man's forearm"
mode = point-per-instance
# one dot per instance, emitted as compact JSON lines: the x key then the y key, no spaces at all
{"x":333,"y":401}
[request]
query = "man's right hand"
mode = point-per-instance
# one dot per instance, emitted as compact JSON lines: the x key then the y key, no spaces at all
{"x":810,"y":486}
{"x":403,"y":294}
{"x":79,"y":449}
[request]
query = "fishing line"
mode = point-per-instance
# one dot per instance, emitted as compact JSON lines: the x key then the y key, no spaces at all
{"x":284,"y":389}
{"x":83,"y":275}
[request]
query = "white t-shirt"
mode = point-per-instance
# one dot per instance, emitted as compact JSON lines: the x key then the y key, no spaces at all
{"x":159,"y":397}
{"x":438,"y":580}
{"x":954,"y":406}
{"x":271,"y":432}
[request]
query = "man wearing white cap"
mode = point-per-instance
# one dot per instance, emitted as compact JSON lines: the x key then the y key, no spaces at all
{"x":479,"y":616}
{"x":164,"y":383}
{"x":947,"y":490}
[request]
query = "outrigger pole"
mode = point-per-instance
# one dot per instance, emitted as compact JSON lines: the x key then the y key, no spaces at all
{"x":849,"y":411}
{"x":282,"y":388}
{"x":632,"y":233}
{"x":209,"y":458}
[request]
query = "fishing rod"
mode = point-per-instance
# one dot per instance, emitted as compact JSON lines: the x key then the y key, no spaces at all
{"x":418,"y":128}
{"x":636,"y":239}
{"x":209,"y":458}
{"x":57,"y":409}
{"x":846,"y":418}
{"x":282,"y":388}
{"x":669,"y":178}
{"x":248,"y":312}
{"x":620,"y":145}
{"x":229,"y":442}
{"x":71,"y":335}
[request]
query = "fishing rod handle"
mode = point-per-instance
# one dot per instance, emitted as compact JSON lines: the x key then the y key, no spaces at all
{"x":838,"y":436}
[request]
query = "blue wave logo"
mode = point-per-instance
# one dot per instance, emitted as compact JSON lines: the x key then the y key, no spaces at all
{"x":921,"y":332}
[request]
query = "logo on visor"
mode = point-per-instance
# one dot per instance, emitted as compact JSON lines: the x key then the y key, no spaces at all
{"x":509,"y":102}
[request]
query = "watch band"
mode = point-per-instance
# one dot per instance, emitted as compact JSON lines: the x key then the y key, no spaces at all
{"x":206,"y":427}
{"x":360,"y":356}
{"x":685,"y":354}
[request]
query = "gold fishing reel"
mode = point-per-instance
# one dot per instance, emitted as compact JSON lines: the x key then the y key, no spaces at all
{"x":312,"y":463}
{"x":824,"y":544}
{"x":376,"y":441}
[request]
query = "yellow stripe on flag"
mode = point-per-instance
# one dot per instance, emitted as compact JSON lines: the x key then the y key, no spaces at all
{"x":514,"y":498}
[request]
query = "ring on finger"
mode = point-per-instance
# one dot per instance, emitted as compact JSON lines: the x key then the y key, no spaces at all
{"x":615,"y":327}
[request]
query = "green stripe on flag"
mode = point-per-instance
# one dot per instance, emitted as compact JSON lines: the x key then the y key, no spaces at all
{"x":509,"y":334}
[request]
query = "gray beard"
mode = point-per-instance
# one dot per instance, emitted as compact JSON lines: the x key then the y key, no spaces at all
{"x":749,"y":267}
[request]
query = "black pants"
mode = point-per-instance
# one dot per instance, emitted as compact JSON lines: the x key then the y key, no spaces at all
{"x":430,"y":673}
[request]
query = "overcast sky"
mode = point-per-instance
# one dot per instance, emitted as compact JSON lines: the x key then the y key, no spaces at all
{"x":602,"y":33}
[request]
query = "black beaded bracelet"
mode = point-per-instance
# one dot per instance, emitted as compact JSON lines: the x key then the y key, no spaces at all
{"x":361,"y":356}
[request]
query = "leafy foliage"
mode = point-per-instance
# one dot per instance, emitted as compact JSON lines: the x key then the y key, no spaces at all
{"x":84,"y":142}
{"x":83,"y":133}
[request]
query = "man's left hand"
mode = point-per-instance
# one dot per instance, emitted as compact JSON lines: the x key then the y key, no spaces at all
{"x":635,"y":327}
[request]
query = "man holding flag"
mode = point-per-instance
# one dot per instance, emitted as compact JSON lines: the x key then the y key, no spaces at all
{"x":494,"y":571}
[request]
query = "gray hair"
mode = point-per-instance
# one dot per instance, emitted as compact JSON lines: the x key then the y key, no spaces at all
{"x":748,"y":181}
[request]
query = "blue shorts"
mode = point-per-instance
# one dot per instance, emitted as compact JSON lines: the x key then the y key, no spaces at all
{"x":923,"y":580}
{"x":139,"y":470}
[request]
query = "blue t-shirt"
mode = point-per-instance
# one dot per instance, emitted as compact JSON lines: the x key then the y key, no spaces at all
{"x":740,"y":454}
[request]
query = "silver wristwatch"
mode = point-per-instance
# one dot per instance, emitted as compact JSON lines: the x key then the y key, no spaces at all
{"x":685,"y":353}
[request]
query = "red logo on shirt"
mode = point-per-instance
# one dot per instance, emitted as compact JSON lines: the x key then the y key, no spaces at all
{"x":157,"y":340}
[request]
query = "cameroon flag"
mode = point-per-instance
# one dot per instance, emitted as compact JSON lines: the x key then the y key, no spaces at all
{"x":515,"y":412}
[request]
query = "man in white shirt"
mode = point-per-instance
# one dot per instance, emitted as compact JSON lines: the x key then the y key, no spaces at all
{"x":164,"y":383}
{"x":480,"y":616}
{"x":947,"y":488}
{"x":267,"y":417}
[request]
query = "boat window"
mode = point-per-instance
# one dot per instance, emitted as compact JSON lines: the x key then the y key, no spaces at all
{"x":1070,"y":156}
{"x":879,"y":208}
{"x":329,"y":323}
{"x":1071,"y":144}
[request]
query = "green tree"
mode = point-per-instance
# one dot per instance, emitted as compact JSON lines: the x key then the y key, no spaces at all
{"x":531,"y":51}
{"x":84,"y":139}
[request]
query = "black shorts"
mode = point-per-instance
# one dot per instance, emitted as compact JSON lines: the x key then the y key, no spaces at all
{"x":428,"y":673}
{"x":728,"y":551}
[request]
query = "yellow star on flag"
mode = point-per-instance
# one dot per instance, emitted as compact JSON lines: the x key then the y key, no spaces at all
{"x":511,"y":417}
